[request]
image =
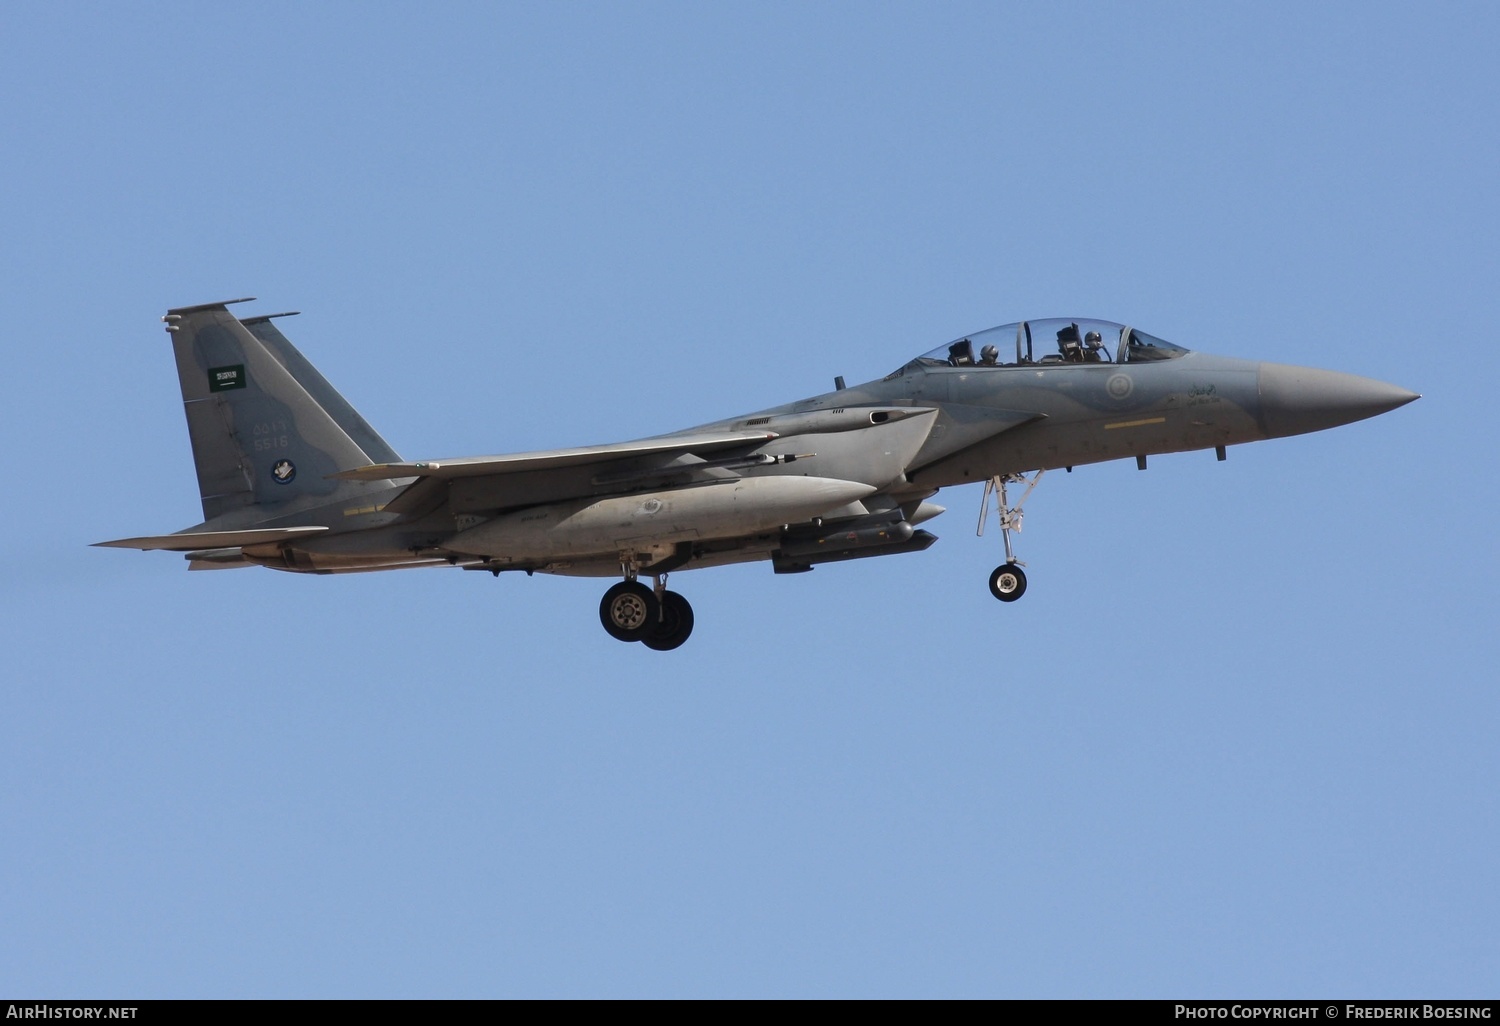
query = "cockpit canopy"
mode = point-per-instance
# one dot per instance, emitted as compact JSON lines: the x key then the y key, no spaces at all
{"x":1052,"y":341}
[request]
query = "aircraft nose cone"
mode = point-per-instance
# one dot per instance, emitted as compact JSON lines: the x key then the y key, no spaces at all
{"x":1295,"y":400}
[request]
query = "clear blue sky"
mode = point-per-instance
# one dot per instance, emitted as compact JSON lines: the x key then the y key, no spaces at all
{"x":1238,"y":739}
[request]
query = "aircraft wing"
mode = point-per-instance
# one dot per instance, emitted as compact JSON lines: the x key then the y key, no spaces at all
{"x":484,"y":466}
{"x":192,"y":541}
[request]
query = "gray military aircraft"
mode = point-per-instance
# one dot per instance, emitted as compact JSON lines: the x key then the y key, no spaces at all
{"x":292,"y":478}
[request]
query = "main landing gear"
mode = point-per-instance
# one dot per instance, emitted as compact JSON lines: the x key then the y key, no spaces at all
{"x":657,"y":618}
{"x":1007,"y":581}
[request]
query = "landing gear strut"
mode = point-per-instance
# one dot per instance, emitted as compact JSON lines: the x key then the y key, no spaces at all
{"x":656,"y":617}
{"x":1008,"y":581}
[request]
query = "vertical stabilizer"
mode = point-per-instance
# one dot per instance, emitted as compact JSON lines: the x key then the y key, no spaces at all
{"x":261,"y":437}
{"x":344,"y":415}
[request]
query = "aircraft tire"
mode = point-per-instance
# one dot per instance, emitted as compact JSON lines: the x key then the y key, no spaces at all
{"x":628,"y":611}
{"x":675,"y":625}
{"x":1008,"y":582}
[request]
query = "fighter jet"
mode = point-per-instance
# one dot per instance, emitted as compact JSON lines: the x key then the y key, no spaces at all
{"x":293,"y":478}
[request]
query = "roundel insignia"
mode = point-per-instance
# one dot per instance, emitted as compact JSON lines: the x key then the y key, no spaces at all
{"x":1119,"y":386}
{"x":651,"y":506}
{"x":283,"y":471}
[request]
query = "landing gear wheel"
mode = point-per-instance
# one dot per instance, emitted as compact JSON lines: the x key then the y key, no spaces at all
{"x":1008,"y":582}
{"x":628,"y":611}
{"x":675,"y":625}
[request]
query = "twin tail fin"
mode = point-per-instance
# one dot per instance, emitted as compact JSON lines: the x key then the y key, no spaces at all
{"x":267,"y":429}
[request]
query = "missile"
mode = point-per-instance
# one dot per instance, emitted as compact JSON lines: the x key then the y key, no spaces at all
{"x":781,"y":563}
{"x":856,"y":534}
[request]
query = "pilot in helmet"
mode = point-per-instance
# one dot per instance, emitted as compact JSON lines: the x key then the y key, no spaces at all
{"x":989,"y":356}
{"x":1092,"y":344}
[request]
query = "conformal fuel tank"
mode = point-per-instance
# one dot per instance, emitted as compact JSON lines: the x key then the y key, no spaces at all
{"x":725,"y":509}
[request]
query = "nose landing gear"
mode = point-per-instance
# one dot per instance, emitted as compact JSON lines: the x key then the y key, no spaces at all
{"x":658,"y":618}
{"x":1007,"y":581}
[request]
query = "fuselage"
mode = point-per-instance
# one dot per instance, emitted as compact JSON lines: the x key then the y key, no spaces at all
{"x":1067,"y":415}
{"x":866,"y":454}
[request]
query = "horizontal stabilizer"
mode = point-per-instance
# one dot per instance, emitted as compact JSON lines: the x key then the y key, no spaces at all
{"x":193,"y":541}
{"x":481,"y":466}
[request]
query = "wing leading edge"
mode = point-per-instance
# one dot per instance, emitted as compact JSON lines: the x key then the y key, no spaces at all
{"x":483,"y":466}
